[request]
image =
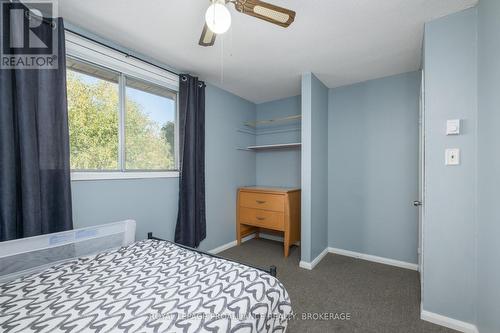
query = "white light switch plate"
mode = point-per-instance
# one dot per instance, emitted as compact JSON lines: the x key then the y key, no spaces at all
{"x":452,"y":156}
{"x":453,"y":127}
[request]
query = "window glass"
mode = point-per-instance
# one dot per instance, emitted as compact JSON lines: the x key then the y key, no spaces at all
{"x":150,"y":113}
{"x":93,"y":113}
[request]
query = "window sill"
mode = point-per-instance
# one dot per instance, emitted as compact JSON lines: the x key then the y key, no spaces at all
{"x":112,"y":175}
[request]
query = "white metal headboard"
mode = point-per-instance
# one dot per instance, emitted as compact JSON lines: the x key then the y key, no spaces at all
{"x":27,"y":255}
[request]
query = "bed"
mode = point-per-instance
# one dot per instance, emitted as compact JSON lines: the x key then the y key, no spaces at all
{"x":146,"y":286}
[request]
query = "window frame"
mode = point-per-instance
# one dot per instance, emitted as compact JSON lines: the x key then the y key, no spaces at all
{"x":84,"y":50}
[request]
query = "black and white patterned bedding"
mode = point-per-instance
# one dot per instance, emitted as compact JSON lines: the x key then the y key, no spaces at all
{"x":149,"y":286}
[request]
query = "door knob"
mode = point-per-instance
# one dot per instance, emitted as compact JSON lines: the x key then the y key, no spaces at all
{"x":417,"y":203}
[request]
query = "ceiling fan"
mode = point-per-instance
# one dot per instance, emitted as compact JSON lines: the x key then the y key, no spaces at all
{"x":218,"y":18}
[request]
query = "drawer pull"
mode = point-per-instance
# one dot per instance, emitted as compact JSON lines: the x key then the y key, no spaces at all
{"x":261,"y":218}
{"x":260,"y":201}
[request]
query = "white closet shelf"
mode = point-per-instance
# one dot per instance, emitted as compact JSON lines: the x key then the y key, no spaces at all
{"x":276,"y":146}
{"x":275,"y":121}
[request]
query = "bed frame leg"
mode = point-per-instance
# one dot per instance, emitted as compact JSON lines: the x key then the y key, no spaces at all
{"x":272,"y":271}
{"x":150,"y":235}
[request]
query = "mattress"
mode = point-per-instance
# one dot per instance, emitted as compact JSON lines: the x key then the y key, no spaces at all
{"x":148,"y":286}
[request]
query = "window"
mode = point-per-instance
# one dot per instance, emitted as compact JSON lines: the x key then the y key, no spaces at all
{"x":122,"y":116}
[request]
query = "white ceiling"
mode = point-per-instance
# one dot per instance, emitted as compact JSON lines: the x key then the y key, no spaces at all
{"x":341,"y":41}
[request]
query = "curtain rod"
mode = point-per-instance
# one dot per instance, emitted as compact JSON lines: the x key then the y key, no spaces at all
{"x":121,"y":51}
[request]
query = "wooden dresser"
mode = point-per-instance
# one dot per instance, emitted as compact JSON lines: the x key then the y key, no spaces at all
{"x":269,"y":208}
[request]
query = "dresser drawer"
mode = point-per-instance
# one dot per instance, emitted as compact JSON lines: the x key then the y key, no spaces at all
{"x":262,"y":201}
{"x":262,"y":218}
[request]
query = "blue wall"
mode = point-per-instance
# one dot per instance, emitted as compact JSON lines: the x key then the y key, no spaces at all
{"x":153,"y":202}
{"x":279,"y":167}
{"x":373,"y":167}
{"x":449,"y":262}
{"x":319,"y":170}
{"x":489,"y":168}
{"x":314,"y":238}
{"x":227,"y":168}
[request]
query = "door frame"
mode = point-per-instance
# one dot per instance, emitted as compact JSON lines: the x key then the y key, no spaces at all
{"x":421,"y":184}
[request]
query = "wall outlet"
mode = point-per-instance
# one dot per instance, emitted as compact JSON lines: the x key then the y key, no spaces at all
{"x":452,"y":156}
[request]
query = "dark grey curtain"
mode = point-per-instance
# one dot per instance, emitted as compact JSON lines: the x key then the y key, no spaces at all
{"x":191,"y":222}
{"x":35,"y":194}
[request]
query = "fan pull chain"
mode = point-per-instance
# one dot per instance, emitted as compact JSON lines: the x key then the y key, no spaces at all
{"x":222,"y":61}
{"x":231,"y":42}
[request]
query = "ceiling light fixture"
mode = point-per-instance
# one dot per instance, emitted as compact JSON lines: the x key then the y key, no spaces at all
{"x":218,"y":17}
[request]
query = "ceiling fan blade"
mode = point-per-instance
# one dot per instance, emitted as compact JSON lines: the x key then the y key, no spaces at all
{"x":266,"y":11}
{"x":207,"y":37}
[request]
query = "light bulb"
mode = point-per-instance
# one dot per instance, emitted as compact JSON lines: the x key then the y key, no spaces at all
{"x":218,"y":18}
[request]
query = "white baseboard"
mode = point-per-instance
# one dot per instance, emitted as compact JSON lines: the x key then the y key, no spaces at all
{"x":312,"y":264}
{"x":448,"y":322}
{"x":369,"y":257}
{"x":222,"y":247}
{"x":229,"y":245}
{"x":244,"y":239}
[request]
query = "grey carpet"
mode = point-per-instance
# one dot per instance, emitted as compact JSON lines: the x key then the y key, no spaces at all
{"x":379,"y":298}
